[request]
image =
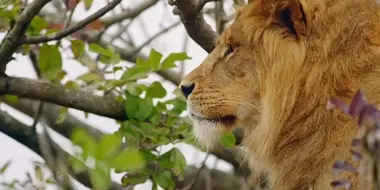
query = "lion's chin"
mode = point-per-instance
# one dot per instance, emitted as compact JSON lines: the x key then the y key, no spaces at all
{"x":207,"y":133}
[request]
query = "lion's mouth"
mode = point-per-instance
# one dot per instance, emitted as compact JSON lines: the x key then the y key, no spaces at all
{"x":227,"y":120}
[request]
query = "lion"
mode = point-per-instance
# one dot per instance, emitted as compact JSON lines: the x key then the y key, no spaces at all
{"x":272,"y":73}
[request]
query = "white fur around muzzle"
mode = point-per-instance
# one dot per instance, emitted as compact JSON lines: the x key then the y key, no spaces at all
{"x":207,"y":133}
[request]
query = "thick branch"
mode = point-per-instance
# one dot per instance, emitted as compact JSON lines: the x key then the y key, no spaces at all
{"x":71,"y":29}
{"x":190,"y":12}
{"x":25,"y":135}
{"x":8,"y":46}
{"x":212,"y":179}
{"x":129,"y":14}
{"x":49,"y":116}
{"x":78,"y":99}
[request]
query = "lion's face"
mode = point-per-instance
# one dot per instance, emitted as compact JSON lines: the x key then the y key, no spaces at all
{"x":225,"y":90}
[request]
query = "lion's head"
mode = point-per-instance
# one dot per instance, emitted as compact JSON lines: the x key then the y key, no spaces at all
{"x":224,"y":91}
{"x":272,"y":72}
{"x":275,"y":52}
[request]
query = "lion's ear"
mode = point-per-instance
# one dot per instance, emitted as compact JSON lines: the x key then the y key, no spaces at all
{"x":291,"y":13}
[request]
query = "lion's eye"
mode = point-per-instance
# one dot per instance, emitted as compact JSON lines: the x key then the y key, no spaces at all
{"x":229,"y":51}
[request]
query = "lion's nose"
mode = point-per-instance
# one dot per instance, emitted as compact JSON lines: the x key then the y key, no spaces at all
{"x":187,"y":89}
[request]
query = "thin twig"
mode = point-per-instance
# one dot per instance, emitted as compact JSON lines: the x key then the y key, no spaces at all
{"x":154,"y":37}
{"x":121,"y":31}
{"x":67,"y":22}
{"x":71,"y":29}
{"x":129,"y":14}
{"x":194,"y":182}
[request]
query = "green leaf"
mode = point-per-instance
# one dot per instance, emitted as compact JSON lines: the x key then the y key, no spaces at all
{"x":108,"y":147}
{"x":50,"y":61}
{"x":77,"y":47}
{"x":173,"y":160}
{"x":228,"y":140}
{"x":100,"y":176}
{"x":137,"y":108}
{"x":164,"y":179}
{"x":37,"y":24}
{"x":149,"y":156}
{"x":161,"y":107}
{"x":156,"y":90}
{"x":136,"y":72}
{"x":87,"y":4}
{"x":11,"y":98}
{"x":77,"y":165}
{"x":154,"y":59}
{"x":172,"y":58}
{"x":89,"y":77}
{"x":179,"y":106}
{"x":179,"y":162}
{"x":71,"y":85}
{"x":131,"y":106}
{"x":135,"y":89}
{"x":100,"y":50}
{"x":50,"y":181}
{"x":62,"y":115}
{"x":129,"y":159}
{"x":85,"y":141}
{"x":155,"y":118}
{"x":134,"y":179}
{"x":165,"y":161}
{"x":39,"y":174}
{"x":4,"y":168}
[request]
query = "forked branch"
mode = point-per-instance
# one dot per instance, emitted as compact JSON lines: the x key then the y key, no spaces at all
{"x":9,"y":44}
{"x":196,"y":26}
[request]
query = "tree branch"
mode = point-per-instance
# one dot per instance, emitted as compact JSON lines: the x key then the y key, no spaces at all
{"x":71,"y":29}
{"x":9,"y":44}
{"x":135,"y":51}
{"x":190,"y":12}
{"x":78,"y":99}
{"x":50,"y":115}
{"x":129,"y":14}
{"x":25,"y":135}
{"x":219,"y":180}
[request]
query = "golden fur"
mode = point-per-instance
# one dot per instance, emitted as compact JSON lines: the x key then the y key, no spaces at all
{"x":289,"y":57}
